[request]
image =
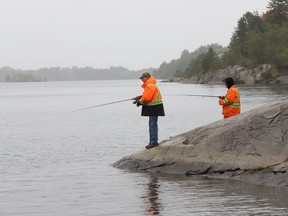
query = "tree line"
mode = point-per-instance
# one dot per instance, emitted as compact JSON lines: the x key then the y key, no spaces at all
{"x":257,"y":39}
{"x":8,"y":74}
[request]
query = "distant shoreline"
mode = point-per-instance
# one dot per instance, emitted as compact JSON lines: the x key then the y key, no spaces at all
{"x":263,"y":74}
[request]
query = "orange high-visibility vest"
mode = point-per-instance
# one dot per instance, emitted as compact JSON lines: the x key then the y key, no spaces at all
{"x":231,"y":103}
{"x":151,"y":95}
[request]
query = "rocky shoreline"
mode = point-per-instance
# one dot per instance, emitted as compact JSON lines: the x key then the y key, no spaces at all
{"x":262,"y":74}
{"x":252,"y":147}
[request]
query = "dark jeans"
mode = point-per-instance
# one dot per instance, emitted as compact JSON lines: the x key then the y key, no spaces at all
{"x":153,"y":129}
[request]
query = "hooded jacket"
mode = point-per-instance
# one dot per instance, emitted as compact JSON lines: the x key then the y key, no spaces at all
{"x":151,"y":99}
{"x":231,"y":103}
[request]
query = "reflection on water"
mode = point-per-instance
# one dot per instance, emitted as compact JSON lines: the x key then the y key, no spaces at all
{"x":199,"y":195}
{"x":55,"y":162}
{"x":151,"y":198}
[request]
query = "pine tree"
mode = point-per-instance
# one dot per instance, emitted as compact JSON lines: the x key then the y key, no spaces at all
{"x":278,"y":11}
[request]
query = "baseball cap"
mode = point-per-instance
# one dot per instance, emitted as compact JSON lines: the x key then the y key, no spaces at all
{"x":146,"y":74}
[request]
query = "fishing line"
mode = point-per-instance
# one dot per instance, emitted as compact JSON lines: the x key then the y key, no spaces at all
{"x":192,"y":95}
{"x":99,"y":105}
{"x":65,"y":115}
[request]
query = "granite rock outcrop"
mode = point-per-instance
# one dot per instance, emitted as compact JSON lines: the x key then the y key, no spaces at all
{"x":252,"y":146}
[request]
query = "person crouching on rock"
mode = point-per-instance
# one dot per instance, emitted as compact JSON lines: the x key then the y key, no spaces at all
{"x":152,"y":106}
{"x":231,"y":101}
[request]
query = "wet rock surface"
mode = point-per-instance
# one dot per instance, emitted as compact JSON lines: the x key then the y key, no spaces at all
{"x":252,"y":146}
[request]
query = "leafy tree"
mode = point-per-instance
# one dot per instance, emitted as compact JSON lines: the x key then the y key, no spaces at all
{"x":256,"y":48}
{"x":204,"y":63}
{"x":256,"y":40}
{"x":278,"y":11}
{"x":194,"y":68}
{"x":239,"y":46}
{"x":179,"y":67}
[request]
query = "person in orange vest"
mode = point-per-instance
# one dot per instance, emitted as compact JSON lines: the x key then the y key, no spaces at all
{"x":231,"y":101}
{"x":152,"y":106}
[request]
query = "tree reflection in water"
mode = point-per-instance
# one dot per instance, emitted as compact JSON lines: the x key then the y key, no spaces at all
{"x":151,"y":197}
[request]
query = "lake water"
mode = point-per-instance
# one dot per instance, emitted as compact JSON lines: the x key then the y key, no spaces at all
{"x":57,"y":162}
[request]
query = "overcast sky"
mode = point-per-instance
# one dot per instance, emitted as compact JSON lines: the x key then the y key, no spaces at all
{"x":135,"y":34}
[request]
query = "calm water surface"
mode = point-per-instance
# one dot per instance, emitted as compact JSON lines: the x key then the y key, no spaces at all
{"x":54,"y":161}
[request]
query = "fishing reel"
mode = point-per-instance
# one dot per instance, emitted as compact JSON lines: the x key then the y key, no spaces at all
{"x":136,"y":100}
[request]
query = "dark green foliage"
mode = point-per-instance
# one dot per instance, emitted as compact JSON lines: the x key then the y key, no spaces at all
{"x":261,"y":40}
{"x":256,"y":40}
{"x":249,"y":30}
{"x":204,"y":63}
{"x":278,"y":11}
{"x":267,"y":75}
{"x":179,"y":67}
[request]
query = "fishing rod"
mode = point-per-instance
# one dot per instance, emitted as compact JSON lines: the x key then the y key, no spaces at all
{"x":99,"y":105}
{"x":193,"y":95}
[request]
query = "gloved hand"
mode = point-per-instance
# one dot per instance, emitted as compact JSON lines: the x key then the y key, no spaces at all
{"x":136,"y":100}
{"x":137,"y":97}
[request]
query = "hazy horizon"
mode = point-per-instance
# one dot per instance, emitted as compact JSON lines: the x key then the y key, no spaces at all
{"x":110,"y":33}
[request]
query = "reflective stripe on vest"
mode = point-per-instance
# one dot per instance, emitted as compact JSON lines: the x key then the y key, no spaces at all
{"x":237,"y":102}
{"x":158,"y":98}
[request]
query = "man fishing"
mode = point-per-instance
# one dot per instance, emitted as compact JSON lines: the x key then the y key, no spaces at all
{"x":152,"y":106}
{"x":231,"y":101}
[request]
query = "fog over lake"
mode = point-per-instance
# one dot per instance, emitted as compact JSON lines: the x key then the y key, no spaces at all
{"x":55,"y":161}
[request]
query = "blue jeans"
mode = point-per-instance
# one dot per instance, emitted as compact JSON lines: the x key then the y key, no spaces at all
{"x":153,"y":129}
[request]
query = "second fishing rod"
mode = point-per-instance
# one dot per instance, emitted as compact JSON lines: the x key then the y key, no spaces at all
{"x":138,"y":97}
{"x":194,"y":95}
